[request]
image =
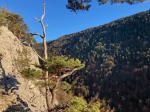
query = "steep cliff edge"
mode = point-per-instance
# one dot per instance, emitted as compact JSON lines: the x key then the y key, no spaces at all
{"x":27,"y":94}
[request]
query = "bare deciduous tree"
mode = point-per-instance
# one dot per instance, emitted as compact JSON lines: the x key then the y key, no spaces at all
{"x":50,"y":93}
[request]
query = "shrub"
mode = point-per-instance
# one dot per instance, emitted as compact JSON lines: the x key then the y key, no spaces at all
{"x":23,"y":60}
{"x":16,"y":25}
{"x":31,"y":73}
{"x":66,"y":86}
{"x":77,"y":104}
{"x":93,"y":107}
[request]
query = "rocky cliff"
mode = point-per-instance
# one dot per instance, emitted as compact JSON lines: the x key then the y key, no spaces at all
{"x":22,"y":92}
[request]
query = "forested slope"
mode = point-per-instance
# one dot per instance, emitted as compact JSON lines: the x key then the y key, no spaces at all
{"x":117,"y":59}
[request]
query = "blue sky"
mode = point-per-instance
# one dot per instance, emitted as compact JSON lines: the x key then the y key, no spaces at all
{"x":61,"y":21}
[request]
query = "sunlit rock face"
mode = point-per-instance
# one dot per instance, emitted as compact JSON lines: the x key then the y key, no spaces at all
{"x":19,"y":89}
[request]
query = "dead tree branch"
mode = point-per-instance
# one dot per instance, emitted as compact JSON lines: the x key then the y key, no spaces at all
{"x":37,"y":34}
{"x":64,"y":76}
{"x":68,"y":74}
{"x":42,"y":18}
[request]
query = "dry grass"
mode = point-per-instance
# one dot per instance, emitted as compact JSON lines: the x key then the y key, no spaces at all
{"x":6,"y":101}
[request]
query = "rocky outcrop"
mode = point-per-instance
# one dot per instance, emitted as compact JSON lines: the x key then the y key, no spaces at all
{"x":10,"y":46}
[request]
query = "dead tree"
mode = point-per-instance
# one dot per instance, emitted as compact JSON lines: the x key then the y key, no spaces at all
{"x":50,"y":93}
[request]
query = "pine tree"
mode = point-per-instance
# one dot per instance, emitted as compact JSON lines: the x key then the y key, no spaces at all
{"x":77,"y":5}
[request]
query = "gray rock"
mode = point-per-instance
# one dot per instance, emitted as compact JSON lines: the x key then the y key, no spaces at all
{"x":11,"y":78}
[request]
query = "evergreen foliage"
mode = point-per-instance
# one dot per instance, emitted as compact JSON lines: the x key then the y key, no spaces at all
{"x":93,"y":107}
{"x":56,"y":63}
{"x":66,"y":86}
{"x":76,"y":5}
{"x":57,"y":66}
{"x":77,"y":104}
{"x":30,"y":73}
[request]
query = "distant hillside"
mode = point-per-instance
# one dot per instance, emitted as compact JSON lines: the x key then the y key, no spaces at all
{"x":117,"y":58}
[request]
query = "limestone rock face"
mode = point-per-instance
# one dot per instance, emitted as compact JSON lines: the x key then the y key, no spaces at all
{"x":9,"y":47}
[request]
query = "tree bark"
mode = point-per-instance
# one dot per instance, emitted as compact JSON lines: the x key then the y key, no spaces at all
{"x":48,"y":92}
{"x":54,"y":101}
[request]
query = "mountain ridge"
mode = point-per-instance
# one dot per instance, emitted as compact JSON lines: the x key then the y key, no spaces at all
{"x":103,"y":25}
{"x":117,"y":59}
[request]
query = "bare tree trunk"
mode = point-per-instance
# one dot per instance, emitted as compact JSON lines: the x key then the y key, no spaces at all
{"x":50,"y":94}
{"x":48,"y":99}
{"x":54,"y":90}
{"x":54,"y":101}
{"x":54,"y":98}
